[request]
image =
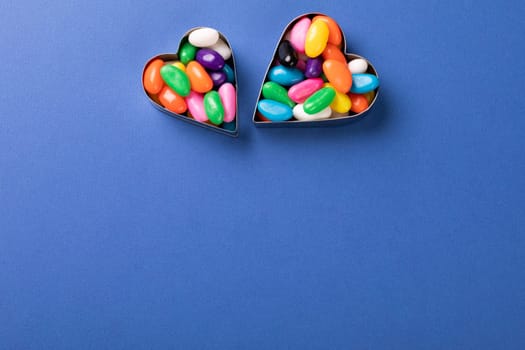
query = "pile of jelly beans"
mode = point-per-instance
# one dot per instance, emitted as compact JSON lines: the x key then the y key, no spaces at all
{"x":200,"y":84}
{"x":311,"y":79}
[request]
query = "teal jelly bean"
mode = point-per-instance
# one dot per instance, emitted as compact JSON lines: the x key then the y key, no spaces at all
{"x":275,"y":111}
{"x":363,"y":83}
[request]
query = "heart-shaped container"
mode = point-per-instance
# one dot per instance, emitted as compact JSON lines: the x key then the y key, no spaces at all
{"x":326,"y":122}
{"x":166,"y":57}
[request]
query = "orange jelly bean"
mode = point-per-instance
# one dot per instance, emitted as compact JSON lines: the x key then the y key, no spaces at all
{"x":199,"y":79}
{"x":334,"y":37}
{"x":152,"y":80}
{"x":332,"y":52}
{"x":359,"y":103}
{"x":172,"y":101}
{"x":338,"y":75}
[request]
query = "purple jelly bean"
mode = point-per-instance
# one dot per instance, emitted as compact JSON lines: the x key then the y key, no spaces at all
{"x":210,"y":59}
{"x":314,"y":68}
{"x":218,"y":78}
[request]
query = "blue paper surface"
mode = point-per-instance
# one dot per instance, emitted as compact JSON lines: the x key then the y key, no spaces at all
{"x":123,"y":228}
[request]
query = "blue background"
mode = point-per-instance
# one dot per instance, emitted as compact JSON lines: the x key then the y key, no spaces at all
{"x":123,"y":228}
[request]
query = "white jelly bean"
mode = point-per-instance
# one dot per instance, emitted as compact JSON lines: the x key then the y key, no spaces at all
{"x":222,"y":48}
{"x":203,"y":37}
{"x":358,"y":66}
{"x":300,"y":114}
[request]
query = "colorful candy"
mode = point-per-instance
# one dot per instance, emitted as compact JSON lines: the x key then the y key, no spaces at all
{"x":276,"y":92}
{"x":172,"y":101}
{"x":358,"y":66}
{"x":152,"y":80}
{"x":311,"y":77}
{"x":300,"y":114}
{"x":175,"y":79}
{"x":298,"y":34}
{"x":229,"y":101}
{"x":274,"y":111}
{"x":213,"y":107}
{"x":363,"y":83}
{"x":301,"y":91}
{"x":200,"y":79}
{"x":319,"y":100}
{"x":285,"y":76}
{"x":210,"y":59}
{"x":203,"y":37}
{"x":199,"y":83}
{"x":286,"y":54}
{"x":316,"y":39}
{"x":187,"y":53}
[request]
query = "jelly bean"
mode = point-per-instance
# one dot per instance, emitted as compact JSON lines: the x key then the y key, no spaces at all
{"x":341,"y":102}
{"x":274,"y":111}
{"x":338,"y":74}
{"x":316,"y":39}
{"x":199,"y":78}
{"x":359,"y":103}
{"x":300,"y":114}
{"x":210,"y":59}
{"x":286,"y":54}
{"x":335,"y":37}
{"x":319,"y":100}
{"x":298,"y":34}
{"x":314,"y":67}
{"x":370,"y":96}
{"x":230,"y":75}
{"x":332,"y":52}
{"x":176,"y":79}
{"x":285,"y":76}
{"x":172,"y":101}
{"x":231,"y":126}
{"x":358,"y":66}
{"x":362,"y":83}
{"x":187,"y":53}
{"x":301,"y":91}
{"x":203,"y":37}
{"x":276,"y":92}
{"x":218,"y":78}
{"x":213,"y":107}
{"x":152,"y":79}
{"x":229,"y":101}
{"x":195,"y":102}
{"x":222,"y":48}
{"x":179,"y":65}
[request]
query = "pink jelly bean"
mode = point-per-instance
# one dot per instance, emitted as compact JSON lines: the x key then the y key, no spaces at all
{"x":195,"y":102}
{"x":229,"y":102}
{"x":301,"y":91}
{"x":298,"y":34}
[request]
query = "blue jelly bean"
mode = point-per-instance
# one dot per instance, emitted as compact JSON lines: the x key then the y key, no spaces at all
{"x":275,"y":111}
{"x":229,"y":126}
{"x":230,"y":76}
{"x":363,"y":83}
{"x":285,"y":76}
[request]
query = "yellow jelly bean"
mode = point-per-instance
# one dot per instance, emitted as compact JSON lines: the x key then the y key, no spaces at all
{"x":179,"y":65}
{"x":316,"y":38}
{"x":341,"y":102}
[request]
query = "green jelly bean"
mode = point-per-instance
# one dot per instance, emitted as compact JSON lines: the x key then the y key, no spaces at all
{"x":276,"y":92}
{"x":319,"y":100}
{"x":187,"y":53}
{"x":213,"y":107}
{"x":176,"y":79}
